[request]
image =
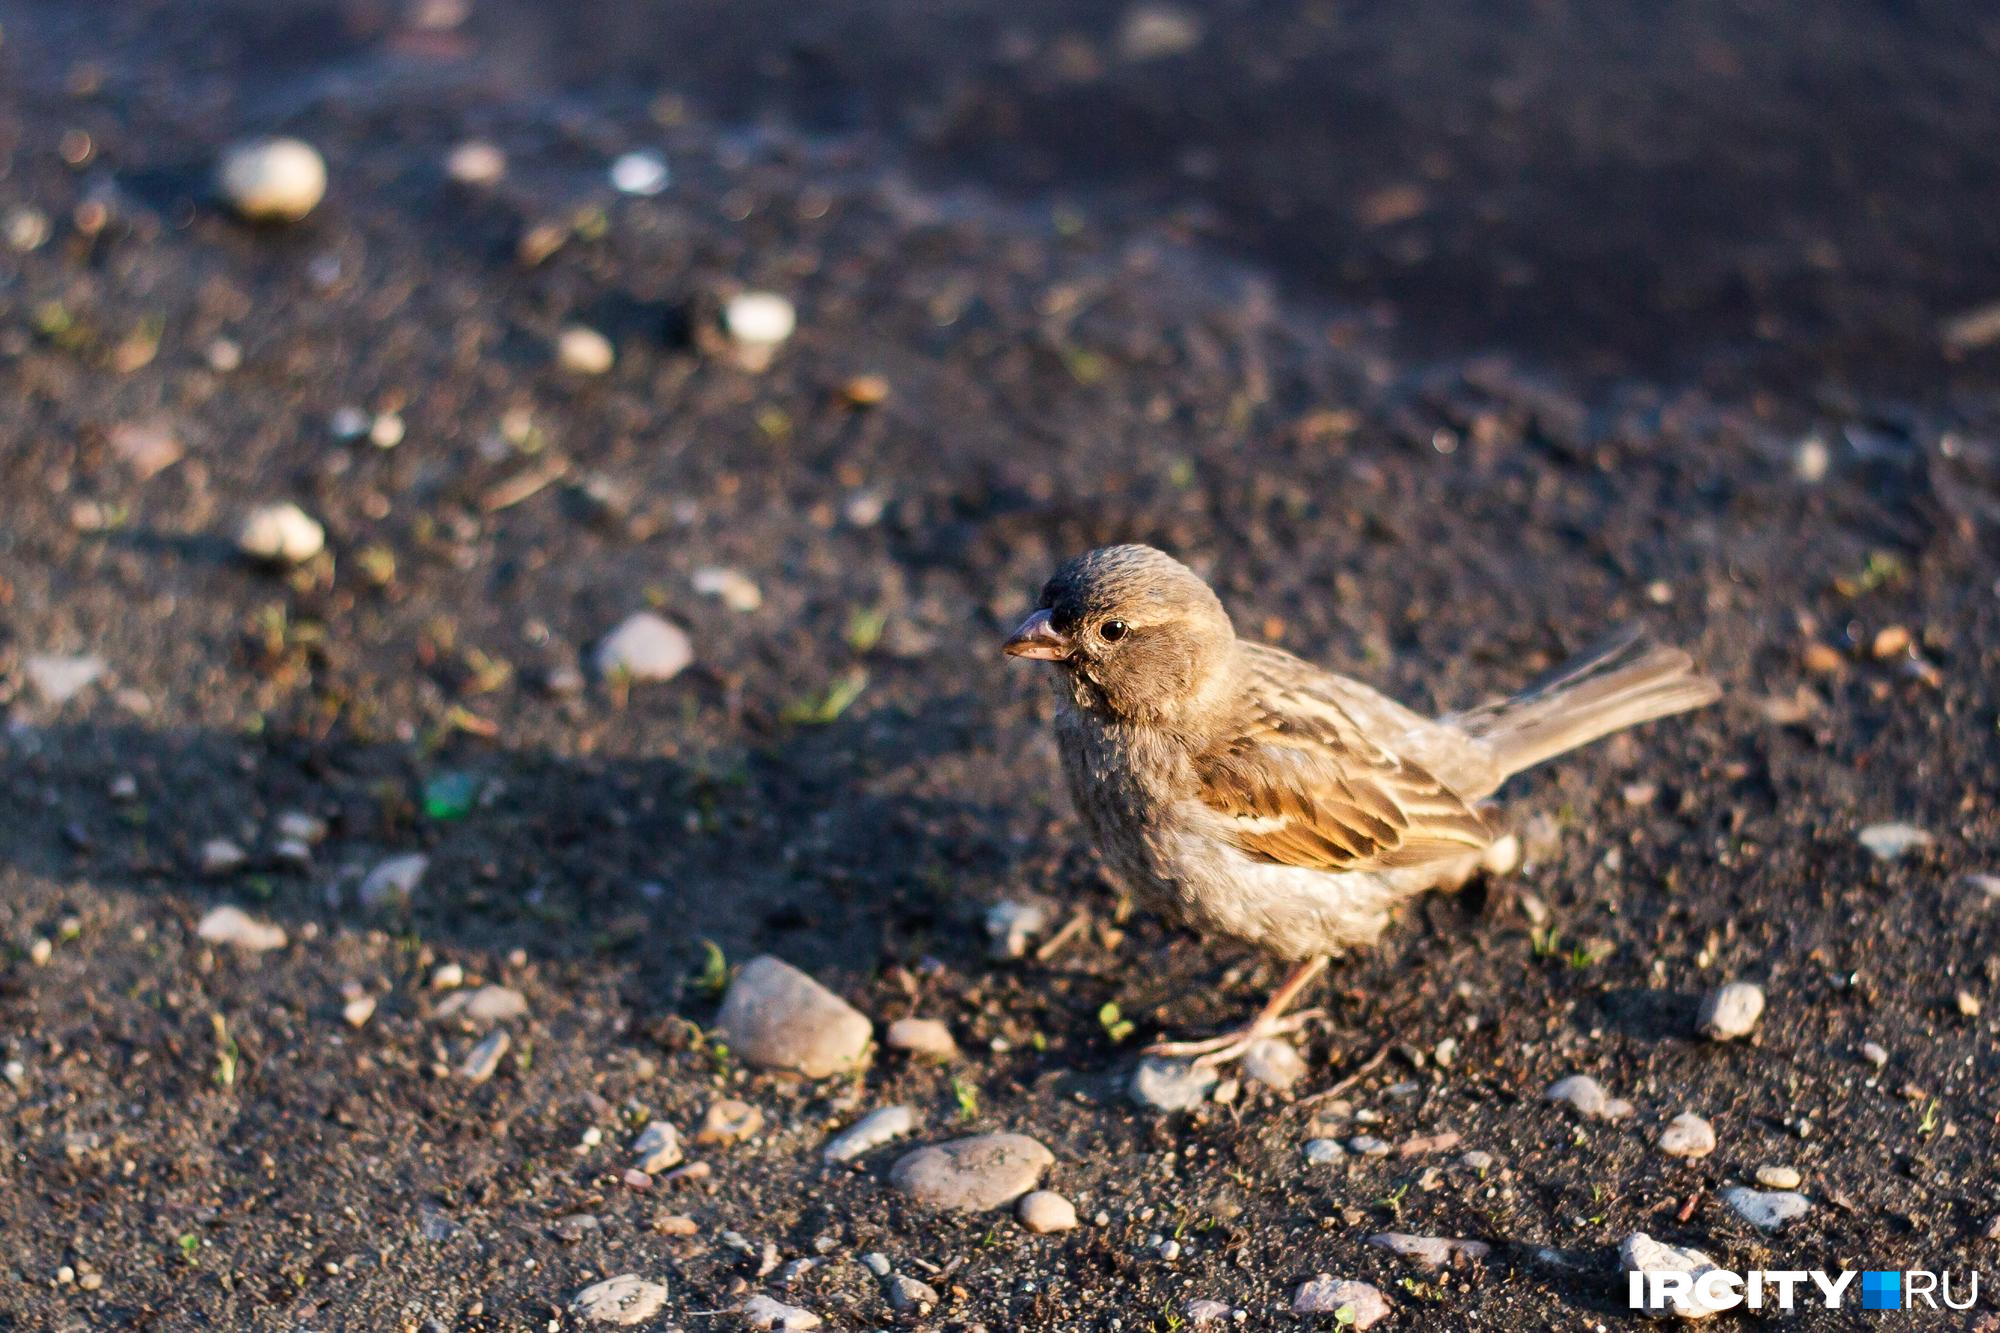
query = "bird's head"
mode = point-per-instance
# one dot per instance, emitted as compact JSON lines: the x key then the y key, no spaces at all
{"x":1136,"y":632}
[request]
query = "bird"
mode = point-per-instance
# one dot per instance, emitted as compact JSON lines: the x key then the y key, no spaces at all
{"x":1251,"y":795}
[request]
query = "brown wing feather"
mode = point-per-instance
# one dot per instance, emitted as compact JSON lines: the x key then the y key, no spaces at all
{"x":1303,"y":785}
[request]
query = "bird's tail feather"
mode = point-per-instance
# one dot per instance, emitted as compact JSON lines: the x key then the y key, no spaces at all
{"x":1618,"y":684}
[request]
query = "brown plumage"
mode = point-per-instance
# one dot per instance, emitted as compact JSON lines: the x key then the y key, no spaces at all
{"x":1250,"y":794}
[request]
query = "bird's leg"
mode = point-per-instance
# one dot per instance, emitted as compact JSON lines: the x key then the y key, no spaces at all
{"x":1270,"y":1021}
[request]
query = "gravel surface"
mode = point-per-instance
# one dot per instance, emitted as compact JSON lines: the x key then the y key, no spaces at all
{"x":360,"y":908}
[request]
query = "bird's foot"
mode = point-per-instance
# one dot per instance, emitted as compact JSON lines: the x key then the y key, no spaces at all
{"x":1212,"y":1051}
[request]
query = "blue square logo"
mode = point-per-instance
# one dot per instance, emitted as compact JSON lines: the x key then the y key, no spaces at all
{"x":1881,"y":1291}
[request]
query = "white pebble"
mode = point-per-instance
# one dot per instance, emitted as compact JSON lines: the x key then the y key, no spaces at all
{"x":1889,"y":842}
{"x":394,"y":879}
{"x":733,"y":588}
{"x":475,"y":162}
{"x":272,"y":180}
{"x":1766,"y":1211}
{"x":626,"y":1299}
{"x":58,"y":678}
{"x":1779,"y":1177}
{"x":1588,"y":1097}
{"x":759,"y":319}
{"x":232,"y":925}
{"x":1045,"y":1212}
{"x":220,"y":856}
{"x":582,"y":350}
{"x":644,"y":647}
{"x":878,"y":1127}
{"x":1687,"y":1135}
{"x":1640,"y":1253}
{"x":281,"y":534}
{"x":642,"y":173}
{"x":657,"y":1147}
{"x":1731,"y":1011}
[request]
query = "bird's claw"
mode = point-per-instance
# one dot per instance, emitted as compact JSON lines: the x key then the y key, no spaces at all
{"x":1212,"y":1051}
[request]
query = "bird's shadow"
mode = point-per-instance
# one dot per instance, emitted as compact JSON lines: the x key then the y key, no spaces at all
{"x":639,"y":860}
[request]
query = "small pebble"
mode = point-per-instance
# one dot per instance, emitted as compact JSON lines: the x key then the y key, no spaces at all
{"x":1502,"y":856}
{"x":1011,"y":925}
{"x":973,"y":1174}
{"x":761,"y":1312}
{"x":1367,"y":1145}
{"x":923,"y":1038}
{"x":1324,"y":1152}
{"x":1151,"y":30}
{"x":1874,"y":1053}
{"x":1045,"y":1212}
{"x":357,"y":1010}
{"x":1731,"y":1011}
{"x":758,"y":324}
{"x":1779,"y":1177}
{"x":777,"y":1017}
{"x":26,"y":229}
{"x":626,"y":1299}
{"x":733,"y":588}
{"x":394,"y":880}
{"x":644,"y":647}
{"x":484,"y":1058}
{"x":880,"y":1126}
{"x":1766,"y":1210}
{"x":1168,"y":1250}
{"x":1425,"y":1144}
{"x":1687,"y":1135}
{"x":1203,"y":1311}
{"x":1476,"y":1161}
{"x":232,"y":925}
{"x":729,"y":1121}
{"x":57,"y":678}
{"x":220,"y":856}
{"x":657,"y":1148}
{"x":1811,"y":459}
{"x":475,"y":162}
{"x":272,"y":180}
{"x":148,"y":448}
{"x":643,"y":173}
{"x":584,"y":351}
{"x":759,"y":318}
{"x":447,"y":976}
{"x":1889,"y":842}
{"x":1431,"y":1252}
{"x":1588,"y":1097}
{"x":1171,"y":1085}
{"x":298,"y":826}
{"x":280,"y":534}
{"x":909,"y":1294}
{"x":486,"y":1004}
{"x":1364,"y":1305}
{"x":1640,"y":1253}
{"x":1968,"y":1004}
{"x":1273,"y":1063}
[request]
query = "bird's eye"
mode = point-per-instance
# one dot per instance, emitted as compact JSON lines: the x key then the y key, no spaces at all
{"x":1111,"y":631}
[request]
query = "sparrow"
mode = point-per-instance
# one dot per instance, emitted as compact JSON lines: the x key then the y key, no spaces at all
{"x":1248,"y":794}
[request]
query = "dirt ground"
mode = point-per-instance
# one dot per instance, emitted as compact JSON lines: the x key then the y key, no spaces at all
{"x":1441,"y":336}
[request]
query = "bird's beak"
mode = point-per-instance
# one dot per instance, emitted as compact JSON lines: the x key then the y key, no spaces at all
{"x":1038,"y":638}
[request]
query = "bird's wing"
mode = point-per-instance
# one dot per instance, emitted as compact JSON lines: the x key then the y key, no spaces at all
{"x":1300,"y":783}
